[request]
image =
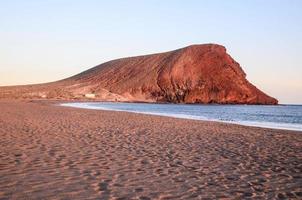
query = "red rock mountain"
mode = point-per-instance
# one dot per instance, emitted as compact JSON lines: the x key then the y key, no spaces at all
{"x":194,"y":74}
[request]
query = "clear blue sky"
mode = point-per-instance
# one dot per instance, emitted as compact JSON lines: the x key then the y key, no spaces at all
{"x":47,"y":40}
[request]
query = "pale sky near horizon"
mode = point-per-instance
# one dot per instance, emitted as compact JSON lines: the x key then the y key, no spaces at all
{"x":42,"y":41}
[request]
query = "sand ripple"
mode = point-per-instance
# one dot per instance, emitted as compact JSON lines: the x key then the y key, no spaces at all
{"x":51,"y":152}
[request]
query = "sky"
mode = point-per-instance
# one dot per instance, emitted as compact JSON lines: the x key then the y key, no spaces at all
{"x":43,"y":41}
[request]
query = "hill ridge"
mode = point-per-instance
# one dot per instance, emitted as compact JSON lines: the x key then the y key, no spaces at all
{"x":200,"y":73}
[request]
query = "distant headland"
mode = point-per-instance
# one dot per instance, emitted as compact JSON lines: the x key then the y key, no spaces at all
{"x":195,"y":74}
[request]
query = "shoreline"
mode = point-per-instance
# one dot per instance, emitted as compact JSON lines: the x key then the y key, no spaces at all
{"x":56,"y":152}
{"x":178,"y":116}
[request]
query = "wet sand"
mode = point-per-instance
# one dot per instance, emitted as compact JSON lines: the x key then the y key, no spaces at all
{"x":53,"y":152}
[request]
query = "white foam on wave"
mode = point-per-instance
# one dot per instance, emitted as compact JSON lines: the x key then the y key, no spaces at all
{"x":272,"y":125}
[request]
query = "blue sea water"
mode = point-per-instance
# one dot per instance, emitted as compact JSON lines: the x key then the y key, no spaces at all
{"x":287,"y":117}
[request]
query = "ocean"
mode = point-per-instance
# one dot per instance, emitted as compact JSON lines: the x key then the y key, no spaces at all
{"x":288,"y":117}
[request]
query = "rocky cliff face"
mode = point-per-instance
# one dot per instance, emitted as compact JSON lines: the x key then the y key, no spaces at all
{"x":194,"y":74}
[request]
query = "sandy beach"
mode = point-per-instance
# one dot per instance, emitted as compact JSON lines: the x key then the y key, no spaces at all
{"x":53,"y":152}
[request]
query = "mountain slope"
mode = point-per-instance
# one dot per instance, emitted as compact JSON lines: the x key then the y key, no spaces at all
{"x":194,"y":74}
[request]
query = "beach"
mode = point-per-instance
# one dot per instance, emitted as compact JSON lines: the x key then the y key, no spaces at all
{"x":52,"y":152}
